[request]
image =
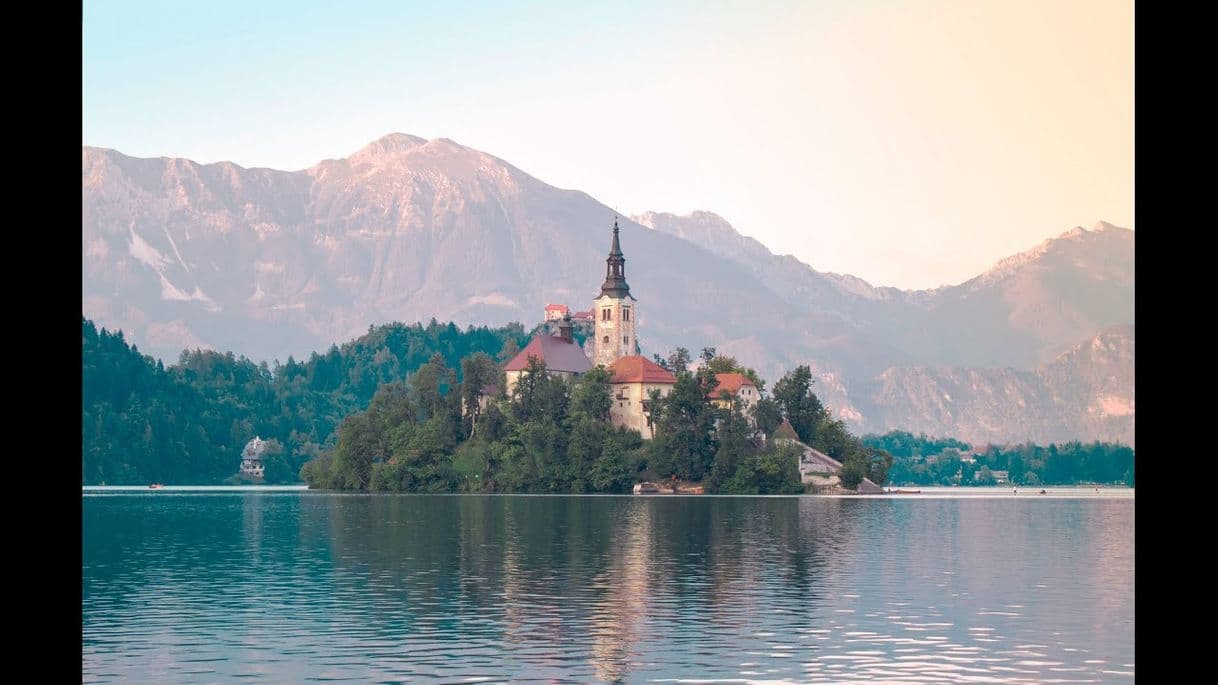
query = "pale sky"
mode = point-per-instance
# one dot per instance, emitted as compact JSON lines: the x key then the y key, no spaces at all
{"x":911,"y":143}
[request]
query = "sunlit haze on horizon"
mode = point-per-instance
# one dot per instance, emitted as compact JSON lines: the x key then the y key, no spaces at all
{"x":909,"y":143}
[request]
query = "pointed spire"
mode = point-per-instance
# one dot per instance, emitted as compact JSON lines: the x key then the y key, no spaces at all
{"x":616,"y":249}
{"x":615,"y":268}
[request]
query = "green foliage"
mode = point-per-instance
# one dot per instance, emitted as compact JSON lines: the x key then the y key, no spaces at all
{"x":479,"y":371}
{"x":145,"y":422}
{"x":316,"y":472}
{"x":685,"y":428}
{"x":879,"y":463}
{"x":556,"y":437}
{"x":854,"y":470}
{"x":611,"y":471}
{"x":919,"y":460}
{"x":472,"y":465}
{"x":592,"y":396}
{"x":678,"y":361}
{"x":733,"y":450}
{"x":359,"y":443}
{"x":539,"y":395}
{"x":766,"y":414}
{"x":774,"y":471}
{"x":396,"y":411}
{"x":902,"y":444}
{"x":793,"y":393}
{"x":723,"y":364}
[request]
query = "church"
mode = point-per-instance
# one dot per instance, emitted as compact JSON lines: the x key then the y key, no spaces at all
{"x":613,"y":345}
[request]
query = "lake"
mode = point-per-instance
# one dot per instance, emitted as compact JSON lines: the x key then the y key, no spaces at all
{"x":284,"y":585}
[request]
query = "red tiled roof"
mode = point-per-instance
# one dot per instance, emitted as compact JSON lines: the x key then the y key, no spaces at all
{"x":638,"y":369}
{"x":731,"y":382}
{"x":557,"y":308}
{"x":582,"y":315}
{"x":558,"y":355}
{"x":786,"y":430}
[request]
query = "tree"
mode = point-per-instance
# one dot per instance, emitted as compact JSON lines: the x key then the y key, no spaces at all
{"x":721,"y":363}
{"x":430,"y":384}
{"x":793,"y":393}
{"x":593,"y":394}
{"x":878,"y":463}
{"x":773,"y":471}
{"x":778,"y":471}
{"x":471,"y":463}
{"x":277,"y":463}
{"x":853,"y":472}
{"x":611,"y":472}
{"x":984,"y":476}
{"x":685,"y":421}
{"x":733,"y":448}
{"x":202,"y":409}
{"x":317,"y":472}
{"x":832,"y":438}
{"x":1015,"y":469}
{"x":391,"y":406}
{"x":358,"y":443}
{"x":538,"y":395}
{"x":508,"y":352}
{"x":477,"y":372}
{"x":425,"y":462}
{"x":678,"y":361}
{"x":724,"y":364}
{"x":766,"y":415}
{"x":584,"y":446}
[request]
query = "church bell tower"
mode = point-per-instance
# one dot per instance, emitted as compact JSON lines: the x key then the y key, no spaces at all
{"x":615,"y":310}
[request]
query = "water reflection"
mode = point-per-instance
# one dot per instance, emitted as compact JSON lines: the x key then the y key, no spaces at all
{"x":291,"y":586}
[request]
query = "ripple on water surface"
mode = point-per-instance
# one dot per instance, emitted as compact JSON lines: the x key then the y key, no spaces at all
{"x":288,"y":585}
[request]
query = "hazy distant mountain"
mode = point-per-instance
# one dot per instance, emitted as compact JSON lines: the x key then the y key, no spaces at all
{"x":270,"y":263}
{"x":1085,"y":394}
{"x":1025,"y":310}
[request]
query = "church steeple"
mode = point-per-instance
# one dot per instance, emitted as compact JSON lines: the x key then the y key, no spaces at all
{"x":615,"y":310}
{"x":615,"y":269}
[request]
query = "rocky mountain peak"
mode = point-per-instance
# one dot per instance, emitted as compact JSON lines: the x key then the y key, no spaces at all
{"x":269,"y":263}
{"x":392,"y":144}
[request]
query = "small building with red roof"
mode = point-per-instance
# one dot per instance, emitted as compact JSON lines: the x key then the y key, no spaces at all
{"x":554,"y":312}
{"x":560,"y":353}
{"x":739,"y":390}
{"x":633,"y":378}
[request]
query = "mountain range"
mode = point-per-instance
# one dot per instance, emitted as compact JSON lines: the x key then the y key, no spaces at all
{"x":271,"y":263}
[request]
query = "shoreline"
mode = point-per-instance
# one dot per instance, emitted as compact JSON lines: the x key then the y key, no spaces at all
{"x":937,"y":492}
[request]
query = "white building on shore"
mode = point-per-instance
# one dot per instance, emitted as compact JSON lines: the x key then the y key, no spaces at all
{"x":251,"y":459}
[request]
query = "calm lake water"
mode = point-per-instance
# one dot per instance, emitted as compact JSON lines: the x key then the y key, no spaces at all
{"x":282,"y":586}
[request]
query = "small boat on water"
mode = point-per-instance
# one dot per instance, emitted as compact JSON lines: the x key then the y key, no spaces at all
{"x":155,"y":486}
{"x":646,"y":488}
{"x":905,"y":492}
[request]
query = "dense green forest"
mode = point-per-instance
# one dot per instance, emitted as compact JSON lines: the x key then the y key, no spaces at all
{"x":400,"y":409}
{"x":554,"y":435}
{"x":919,"y":460}
{"x":385,"y":412}
{"x":145,"y":422}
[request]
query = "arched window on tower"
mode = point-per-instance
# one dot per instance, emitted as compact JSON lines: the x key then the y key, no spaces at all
{"x":606,"y":340}
{"x":625,"y":313}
